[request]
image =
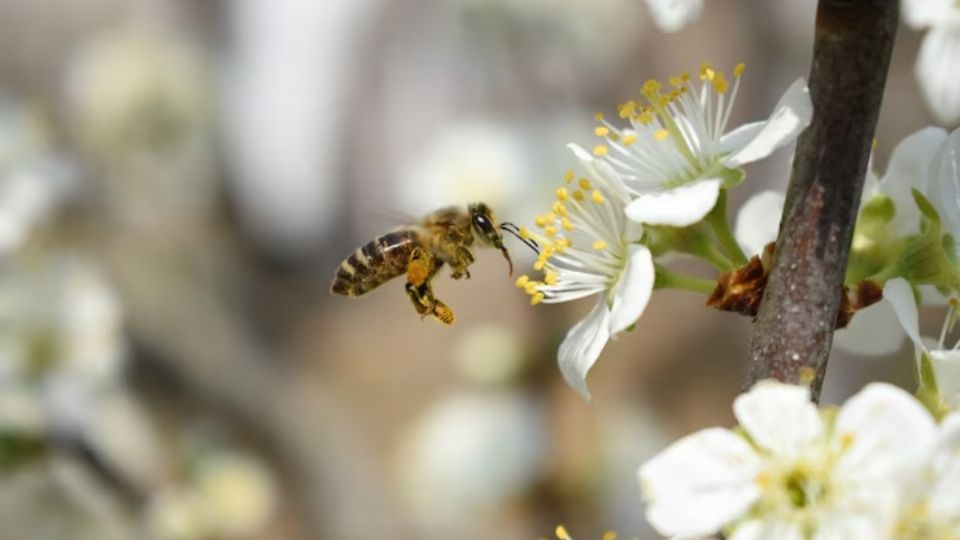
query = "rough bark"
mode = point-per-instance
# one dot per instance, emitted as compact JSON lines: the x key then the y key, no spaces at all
{"x":793,"y":331}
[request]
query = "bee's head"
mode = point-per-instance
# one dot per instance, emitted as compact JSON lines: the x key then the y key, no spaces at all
{"x":482,"y":220}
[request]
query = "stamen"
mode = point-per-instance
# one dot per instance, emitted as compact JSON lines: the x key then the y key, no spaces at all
{"x":661,"y":134}
{"x":567,"y":224}
{"x":585,"y":184}
{"x":629,"y":139}
{"x":562,"y":533}
{"x":600,"y":150}
{"x":601,"y":131}
{"x":600,"y":245}
{"x":610,"y":535}
{"x":738,"y":69}
{"x":540,"y":221}
{"x":551,"y":278}
{"x":598,"y":116}
{"x":536,"y":299}
{"x":562,"y":193}
{"x":597,"y":197}
{"x":568,"y":176}
{"x":578,"y":195}
{"x":550,"y":231}
{"x":522,"y":281}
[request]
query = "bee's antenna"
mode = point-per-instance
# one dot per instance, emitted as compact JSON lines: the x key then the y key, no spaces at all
{"x":514,"y":230}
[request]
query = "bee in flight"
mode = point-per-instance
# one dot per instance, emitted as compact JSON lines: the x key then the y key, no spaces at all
{"x":446,"y":236}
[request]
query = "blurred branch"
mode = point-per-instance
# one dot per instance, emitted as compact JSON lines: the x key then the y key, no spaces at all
{"x":794,"y":328}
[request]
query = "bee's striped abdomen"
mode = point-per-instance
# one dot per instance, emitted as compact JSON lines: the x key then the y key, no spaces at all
{"x":377,"y":262}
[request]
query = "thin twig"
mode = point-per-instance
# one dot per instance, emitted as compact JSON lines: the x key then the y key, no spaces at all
{"x":794,"y":328}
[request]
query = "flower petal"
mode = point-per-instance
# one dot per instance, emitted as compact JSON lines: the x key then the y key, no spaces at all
{"x":885,"y":431}
{"x":758,"y":221}
{"x":946,"y":366}
{"x":898,"y":294}
{"x":791,"y":116}
{"x":922,"y":13}
{"x":909,"y":168}
{"x":874,"y":331}
{"x":677,"y":207}
{"x":943,"y":497}
{"x":700,"y":483}
{"x":944,"y":188}
{"x":582,"y":346}
{"x":938,"y":74}
{"x":767,"y":530}
{"x":633,"y":290}
{"x":779,"y":417}
{"x":674,"y":15}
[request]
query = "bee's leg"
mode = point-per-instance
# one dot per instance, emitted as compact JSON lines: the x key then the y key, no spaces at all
{"x":464,"y":258}
{"x":420,"y":270}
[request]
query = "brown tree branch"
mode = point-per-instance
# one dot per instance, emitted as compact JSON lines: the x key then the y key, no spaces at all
{"x":793,"y":331}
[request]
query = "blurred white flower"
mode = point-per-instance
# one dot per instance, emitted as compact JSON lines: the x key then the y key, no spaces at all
{"x":469,"y":161}
{"x":61,"y":354}
{"x":135,"y":96}
{"x":677,"y":154}
{"x":32,"y":179}
{"x":939,"y":54}
{"x":931,"y":505}
{"x":587,"y":249}
{"x":287,"y":77}
{"x":469,"y":454}
{"x":226,"y":495}
{"x":490,"y":354}
{"x":674,"y":15}
{"x":791,"y":473}
{"x":945,"y":359}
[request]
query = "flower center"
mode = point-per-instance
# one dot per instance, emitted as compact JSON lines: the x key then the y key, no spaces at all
{"x":674,"y":133}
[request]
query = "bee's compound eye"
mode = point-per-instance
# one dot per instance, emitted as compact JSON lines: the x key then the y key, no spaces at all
{"x":481,"y":222}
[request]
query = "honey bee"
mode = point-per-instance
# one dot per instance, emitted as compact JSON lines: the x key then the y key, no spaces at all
{"x":446,"y":236}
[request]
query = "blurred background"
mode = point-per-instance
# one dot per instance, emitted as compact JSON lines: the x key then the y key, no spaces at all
{"x":179,"y":180}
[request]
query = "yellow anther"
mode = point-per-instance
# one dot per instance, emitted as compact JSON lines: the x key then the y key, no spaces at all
{"x":651,"y":86}
{"x":550,"y":231}
{"x":597,"y":197}
{"x":720,"y":83}
{"x":764,"y":480}
{"x":629,"y":139}
{"x":547,"y":252}
{"x":704,"y":70}
{"x":585,"y":184}
{"x":540,"y":221}
{"x":600,"y":150}
{"x":614,"y":137}
{"x":627,"y":109}
{"x":551,"y":278}
{"x":560,"y":209}
{"x":600,"y":245}
{"x":562,"y":533}
{"x":598,"y":116}
{"x":551,"y":216}
{"x":522,"y":281}
{"x":601,"y":131}
{"x":538,"y":265}
{"x":661,"y":134}
{"x":531,"y":287}
{"x":846,"y":441}
{"x":525,"y":233}
{"x":563,"y":243}
{"x":568,"y":176}
{"x":954,"y":302}
{"x":567,"y":224}
{"x":562,"y":193}
{"x":536,"y":299}
{"x":644,"y":118}
{"x":578,"y":195}
{"x":609,"y":535}
{"x":738,"y":69}
{"x":675,"y":80}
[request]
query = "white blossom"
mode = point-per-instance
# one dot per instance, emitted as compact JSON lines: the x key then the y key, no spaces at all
{"x":939,"y":55}
{"x":674,"y":15}
{"x":677,"y":152}
{"x":944,"y":358}
{"x":789,"y":472}
{"x":588,"y":249}
{"x":930,"y":508}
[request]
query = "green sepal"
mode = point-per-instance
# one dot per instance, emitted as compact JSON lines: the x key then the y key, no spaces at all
{"x":731,"y":178}
{"x":928,"y":393}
